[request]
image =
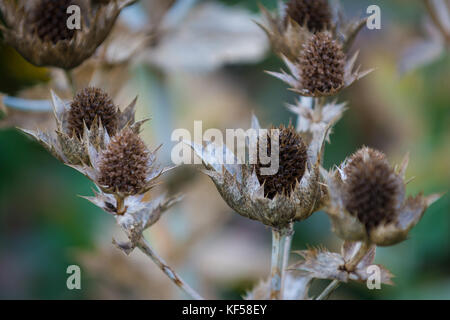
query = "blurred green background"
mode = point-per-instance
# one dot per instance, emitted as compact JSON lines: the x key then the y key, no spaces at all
{"x":43,"y":221}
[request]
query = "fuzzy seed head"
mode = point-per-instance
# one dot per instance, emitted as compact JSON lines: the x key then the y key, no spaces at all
{"x":316,"y":14}
{"x":90,"y":104}
{"x":322,"y":64}
{"x":124,"y":164}
{"x":49,"y":20}
{"x":372,"y":188}
{"x":292,"y":163}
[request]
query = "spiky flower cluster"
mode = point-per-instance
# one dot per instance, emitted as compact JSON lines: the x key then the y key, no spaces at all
{"x":322,"y":64}
{"x":89,"y":105}
{"x":123,"y":165}
{"x":372,"y":188}
{"x":315,"y":14}
{"x":292,"y":163}
{"x":49,"y":20}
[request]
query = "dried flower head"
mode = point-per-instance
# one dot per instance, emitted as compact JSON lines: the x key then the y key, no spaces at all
{"x":89,"y":105}
{"x":292,"y":162}
{"x":372,"y":188}
{"x":291,"y":194}
{"x":123,"y":170}
{"x":38,"y":29}
{"x":322,"y":65}
{"x":124,"y":164}
{"x":315,"y":14}
{"x":322,"y":69}
{"x":48,"y":20}
{"x":79,"y":117}
{"x":367,"y":200}
{"x":295,"y":22}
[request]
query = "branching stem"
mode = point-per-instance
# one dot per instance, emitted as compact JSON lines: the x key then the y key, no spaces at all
{"x":145,"y":247}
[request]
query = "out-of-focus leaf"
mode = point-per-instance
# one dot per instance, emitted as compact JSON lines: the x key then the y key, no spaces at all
{"x":211,"y":36}
{"x":420,"y":54}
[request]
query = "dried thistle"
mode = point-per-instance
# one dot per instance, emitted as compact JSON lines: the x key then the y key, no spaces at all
{"x":367,"y":200}
{"x":296,"y":21}
{"x":124,"y":164}
{"x":292,"y":161}
{"x":315,"y":14}
{"x":242,"y":190}
{"x":38,"y":29}
{"x":48,"y":20}
{"x":90,"y":117}
{"x":89,"y":105}
{"x":123,"y":171}
{"x":321,"y":69}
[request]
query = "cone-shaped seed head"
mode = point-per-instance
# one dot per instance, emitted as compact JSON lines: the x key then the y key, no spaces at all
{"x":90,"y":104}
{"x":316,"y":14}
{"x":372,"y":188}
{"x":292,"y":163}
{"x":322,"y":64}
{"x":124,"y":164}
{"x":49,"y":20}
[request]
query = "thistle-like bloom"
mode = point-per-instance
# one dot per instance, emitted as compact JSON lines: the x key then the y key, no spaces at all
{"x":291,"y":194}
{"x":322,"y":69}
{"x":297,"y":20}
{"x":90,"y":117}
{"x":368,"y":203}
{"x":314,"y":14}
{"x":123,"y":171}
{"x":38,"y":30}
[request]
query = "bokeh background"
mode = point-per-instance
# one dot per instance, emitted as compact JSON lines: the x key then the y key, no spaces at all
{"x":220,"y":79}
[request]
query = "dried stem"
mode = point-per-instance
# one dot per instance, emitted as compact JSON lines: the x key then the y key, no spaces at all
{"x":329,"y":290}
{"x":362,"y":251}
{"x":281,"y":241}
{"x":71,"y":80}
{"x":434,"y":14}
{"x":145,"y":248}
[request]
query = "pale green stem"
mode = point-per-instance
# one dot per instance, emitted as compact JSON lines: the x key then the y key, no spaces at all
{"x":145,"y":247}
{"x":71,"y":81}
{"x":329,"y":290}
{"x":281,"y":240}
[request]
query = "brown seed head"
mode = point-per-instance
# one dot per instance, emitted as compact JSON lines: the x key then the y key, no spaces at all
{"x":322,"y":64}
{"x":89,"y":104}
{"x":316,"y":14}
{"x":292,"y":163}
{"x":372,"y":188}
{"x":49,"y":20}
{"x":124,"y":164}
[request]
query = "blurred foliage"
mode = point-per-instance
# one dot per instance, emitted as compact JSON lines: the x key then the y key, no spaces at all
{"x":42,"y":219}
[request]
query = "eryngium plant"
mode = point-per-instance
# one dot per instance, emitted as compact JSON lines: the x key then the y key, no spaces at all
{"x":88,"y":118}
{"x":291,"y":194}
{"x":321,"y":68}
{"x":38,"y":29}
{"x":297,"y":20}
{"x":314,"y":14}
{"x":368,"y":202}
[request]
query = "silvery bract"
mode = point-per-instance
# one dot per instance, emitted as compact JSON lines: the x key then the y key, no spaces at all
{"x":407,"y":212}
{"x":70,"y":148}
{"x":322,"y":264}
{"x":287,"y":36}
{"x":240,"y":188}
